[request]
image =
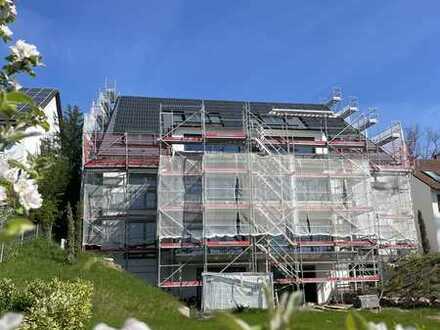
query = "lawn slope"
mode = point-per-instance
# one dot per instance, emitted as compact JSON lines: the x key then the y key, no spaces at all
{"x":119,"y":295}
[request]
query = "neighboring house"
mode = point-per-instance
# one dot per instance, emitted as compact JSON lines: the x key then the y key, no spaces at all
{"x":49,"y":100}
{"x":426,"y":199}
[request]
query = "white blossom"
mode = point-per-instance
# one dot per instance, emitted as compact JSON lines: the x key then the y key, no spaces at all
{"x":10,"y":321}
{"x":4,"y":166}
{"x":28,"y":194}
{"x":399,"y":327}
{"x":7,"y":173}
{"x":8,"y":10}
{"x":23,"y":50}
{"x":17,"y":154}
{"x":12,"y":8}
{"x":377,"y":326}
{"x":6,"y":31}
{"x":3,"y":195}
{"x":15,"y":85}
{"x":130,"y":324}
{"x":133,"y":324}
{"x":103,"y":326}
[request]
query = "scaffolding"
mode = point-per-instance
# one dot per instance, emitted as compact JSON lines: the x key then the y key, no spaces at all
{"x":330,"y":218}
{"x":119,"y":190}
{"x":321,"y":206}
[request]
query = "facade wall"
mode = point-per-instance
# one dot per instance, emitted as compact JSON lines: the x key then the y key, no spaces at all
{"x":425,"y":200}
{"x":32,"y":144}
{"x":436,"y":217}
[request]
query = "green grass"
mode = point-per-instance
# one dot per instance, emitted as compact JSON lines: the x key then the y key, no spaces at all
{"x":119,"y":295}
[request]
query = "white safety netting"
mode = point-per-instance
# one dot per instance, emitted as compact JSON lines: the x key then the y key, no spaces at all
{"x":392,"y":200}
{"x":226,"y":191}
{"x":104,"y":203}
{"x":108,"y":198}
{"x":227,"y":194}
{"x":222,"y":291}
{"x":180,"y":197}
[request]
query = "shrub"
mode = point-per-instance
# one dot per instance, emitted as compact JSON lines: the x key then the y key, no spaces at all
{"x":51,"y":304}
{"x":7,"y":294}
{"x":414,"y":277}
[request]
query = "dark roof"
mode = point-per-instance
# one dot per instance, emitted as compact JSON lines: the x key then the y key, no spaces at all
{"x":42,"y":97}
{"x":428,"y":165}
{"x":141,"y":114}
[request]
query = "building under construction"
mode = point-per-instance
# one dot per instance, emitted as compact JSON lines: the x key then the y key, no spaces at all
{"x":178,"y":190}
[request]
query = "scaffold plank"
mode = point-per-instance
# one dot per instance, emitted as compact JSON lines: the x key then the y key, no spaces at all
{"x":180,"y":284}
{"x":351,"y":279}
{"x":210,"y":243}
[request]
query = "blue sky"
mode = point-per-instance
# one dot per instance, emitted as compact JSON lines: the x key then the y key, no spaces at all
{"x":387,"y":53}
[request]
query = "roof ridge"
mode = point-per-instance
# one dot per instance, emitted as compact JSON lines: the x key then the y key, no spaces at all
{"x":223,"y":100}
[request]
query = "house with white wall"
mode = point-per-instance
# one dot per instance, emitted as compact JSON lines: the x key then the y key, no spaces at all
{"x":426,"y":199}
{"x":49,"y":100}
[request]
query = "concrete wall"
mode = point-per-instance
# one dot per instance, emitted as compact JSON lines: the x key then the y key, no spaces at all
{"x":324,"y":290}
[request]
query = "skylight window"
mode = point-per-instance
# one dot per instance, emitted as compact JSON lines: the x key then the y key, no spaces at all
{"x":295,"y":122}
{"x":433,"y":175}
{"x":273,"y":120}
{"x":214,"y":118}
{"x":178,"y":117}
{"x":193,"y":118}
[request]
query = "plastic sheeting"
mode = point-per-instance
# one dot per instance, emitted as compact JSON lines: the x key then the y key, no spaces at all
{"x":222,"y":291}
{"x":392,"y":200}
{"x":114,"y":209}
{"x":230,"y":194}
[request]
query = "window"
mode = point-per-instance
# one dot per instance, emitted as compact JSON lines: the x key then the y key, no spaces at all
{"x":295,"y":122}
{"x":304,"y":150}
{"x":193,"y":118}
{"x":433,"y":175}
{"x":142,"y":179}
{"x":273,"y":120}
{"x":195,"y":147}
{"x":150,"y":200}
{"x":142,"y":191}
{"x":178,"y":117}
{"x":231,"y":148}
{"x":173,"y":118}
{"x":214,"y":118}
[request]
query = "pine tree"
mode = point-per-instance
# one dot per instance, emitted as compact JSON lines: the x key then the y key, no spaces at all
{"x":423,"y":235}
{"x":70,"y":235}
{"x":71,"y":144}
{"x":78,"y":228}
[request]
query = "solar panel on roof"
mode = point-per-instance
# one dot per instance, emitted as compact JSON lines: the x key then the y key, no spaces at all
{"x":41,"y":96}
{"x":433,"y":175}
{"x":142,"y":114}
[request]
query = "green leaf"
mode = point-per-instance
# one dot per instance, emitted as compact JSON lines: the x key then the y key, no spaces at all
{"x":19,"y":97}
{"x":14,"y":227}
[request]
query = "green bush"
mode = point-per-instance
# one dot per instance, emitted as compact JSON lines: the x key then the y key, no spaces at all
{"x":7,"y":293}
{"x":414,"y":277}
{"x":51,"y":304}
